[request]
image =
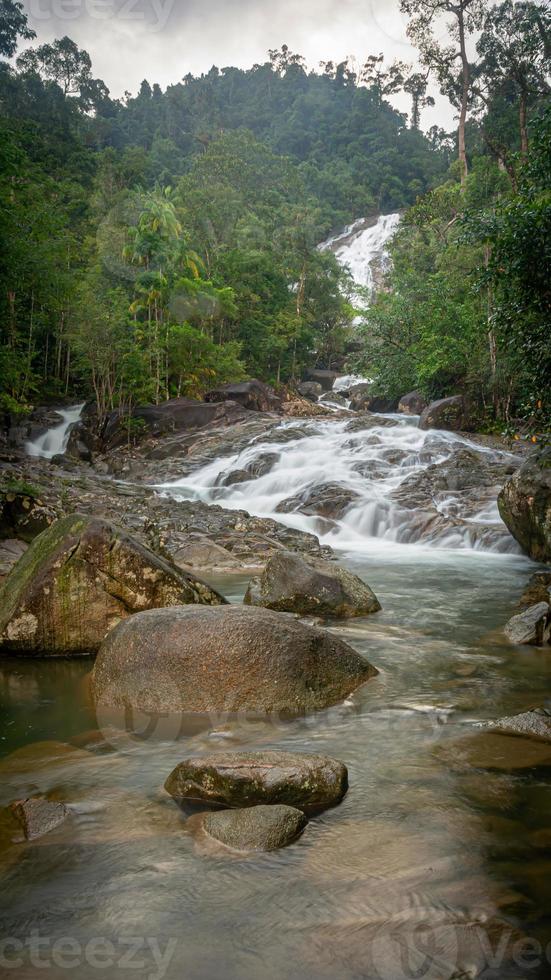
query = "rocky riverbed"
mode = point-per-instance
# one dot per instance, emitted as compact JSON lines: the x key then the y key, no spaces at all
{"x":401,"y":703}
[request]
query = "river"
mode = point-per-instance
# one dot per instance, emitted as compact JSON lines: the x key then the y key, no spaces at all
{"x":435,"y":866}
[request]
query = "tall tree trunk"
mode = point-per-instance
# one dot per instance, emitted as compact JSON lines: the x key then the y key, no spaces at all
{"x":523,"y":123}
{"x":464,"y":99}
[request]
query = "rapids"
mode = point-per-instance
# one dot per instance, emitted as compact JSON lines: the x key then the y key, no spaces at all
{"x":371,"y":463}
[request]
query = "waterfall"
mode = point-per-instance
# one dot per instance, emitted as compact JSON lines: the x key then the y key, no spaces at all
{"x":54,"y":441}
{"x":362,"y":248}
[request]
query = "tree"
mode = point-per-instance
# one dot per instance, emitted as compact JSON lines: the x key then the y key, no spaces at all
{"x":450,"y":63}
{"x":512,"y":47}
{"x":64,"y":63}
{"x":13,"y":25}
{"x":381,"y":80}
{"x":416,"y":84}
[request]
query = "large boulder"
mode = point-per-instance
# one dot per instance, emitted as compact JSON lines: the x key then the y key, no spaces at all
{"x":363,"y":399}
{"x":79,"y":579}
{"x":226,"y":659}
{"x":414,"y":403}
{"x":446,"y":413}
{"x":259,"y":828}
{"x":333,"y":398}
{"x":242,"y":779}
{"x":324,"y":378}
{"x":252,"y":395}
{"x":531,"y":627}
{"x":525,"y":505}
{"x":179,"y":415}
{"x":290,"y":584}
{"x":311,"y":390}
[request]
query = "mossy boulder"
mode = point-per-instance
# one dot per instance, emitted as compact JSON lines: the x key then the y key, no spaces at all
{"x":525,"y":505}
{"x":290,"y":584}
{"x":80,"y":578}
{"x":227,"y":659}
{"x":242,"y":779}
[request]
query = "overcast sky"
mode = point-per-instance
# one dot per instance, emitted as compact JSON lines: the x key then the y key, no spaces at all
{"x":163,"y":40}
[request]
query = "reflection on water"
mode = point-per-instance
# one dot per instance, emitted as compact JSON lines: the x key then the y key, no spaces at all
{"x":430,"y":867}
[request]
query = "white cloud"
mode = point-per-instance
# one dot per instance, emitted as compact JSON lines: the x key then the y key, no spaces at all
{"x":163,"y":40}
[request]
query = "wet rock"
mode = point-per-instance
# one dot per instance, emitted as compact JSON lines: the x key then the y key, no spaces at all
{"x":242,"y":779}
{"x":413,"y":403}
{"x":446,"y":413}
{"x":230,"y":658}
{"x":38,"y":816}
{"x":534,"y":724}
{"x":258,"y":828}
{"x":333,"y":398}
{"x":259,"y":466}
{"x":324,"y":378}
{"x":23,"y":514}
{"x":525,"y":505}
{"x":290,"y":584}
{"x":77,"y":580}
{"x":537,"y":590}
{"x":531,"y":627}
{"x":370,"y":421}
{"x":310,"y":390}
{"x":252,"y":395}
{"x":201,"y":552}
{"x":325,"y":500}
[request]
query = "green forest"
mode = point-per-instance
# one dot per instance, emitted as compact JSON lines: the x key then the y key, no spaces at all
{"x":160,"y":244}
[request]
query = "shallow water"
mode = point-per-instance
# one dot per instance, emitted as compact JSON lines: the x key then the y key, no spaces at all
{"x":433,"y":867}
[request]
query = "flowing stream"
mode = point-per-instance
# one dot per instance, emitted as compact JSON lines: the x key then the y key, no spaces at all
{"x":436,"y":863}
{"x":54,"y":441}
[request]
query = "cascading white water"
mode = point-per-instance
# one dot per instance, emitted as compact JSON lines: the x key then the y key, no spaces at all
{"x":54,"y":441}
{"x":371,"y":465}
{"x":363,"y":250}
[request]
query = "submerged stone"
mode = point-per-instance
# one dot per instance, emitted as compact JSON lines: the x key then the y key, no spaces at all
{"x":258,"y":828}
{"x":38,"y":816}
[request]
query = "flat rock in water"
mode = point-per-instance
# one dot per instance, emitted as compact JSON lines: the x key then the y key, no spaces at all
{"x":79,"y":579}
{"x":242,"y":779}
{"x":534,"y":724}
{"x":258,"y":828}
{"x":38,"y":816}
{"x":290,"y":584}
{"x":227,"y":659}
{"x":496,"y":751}
{"x":531,"y":627}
